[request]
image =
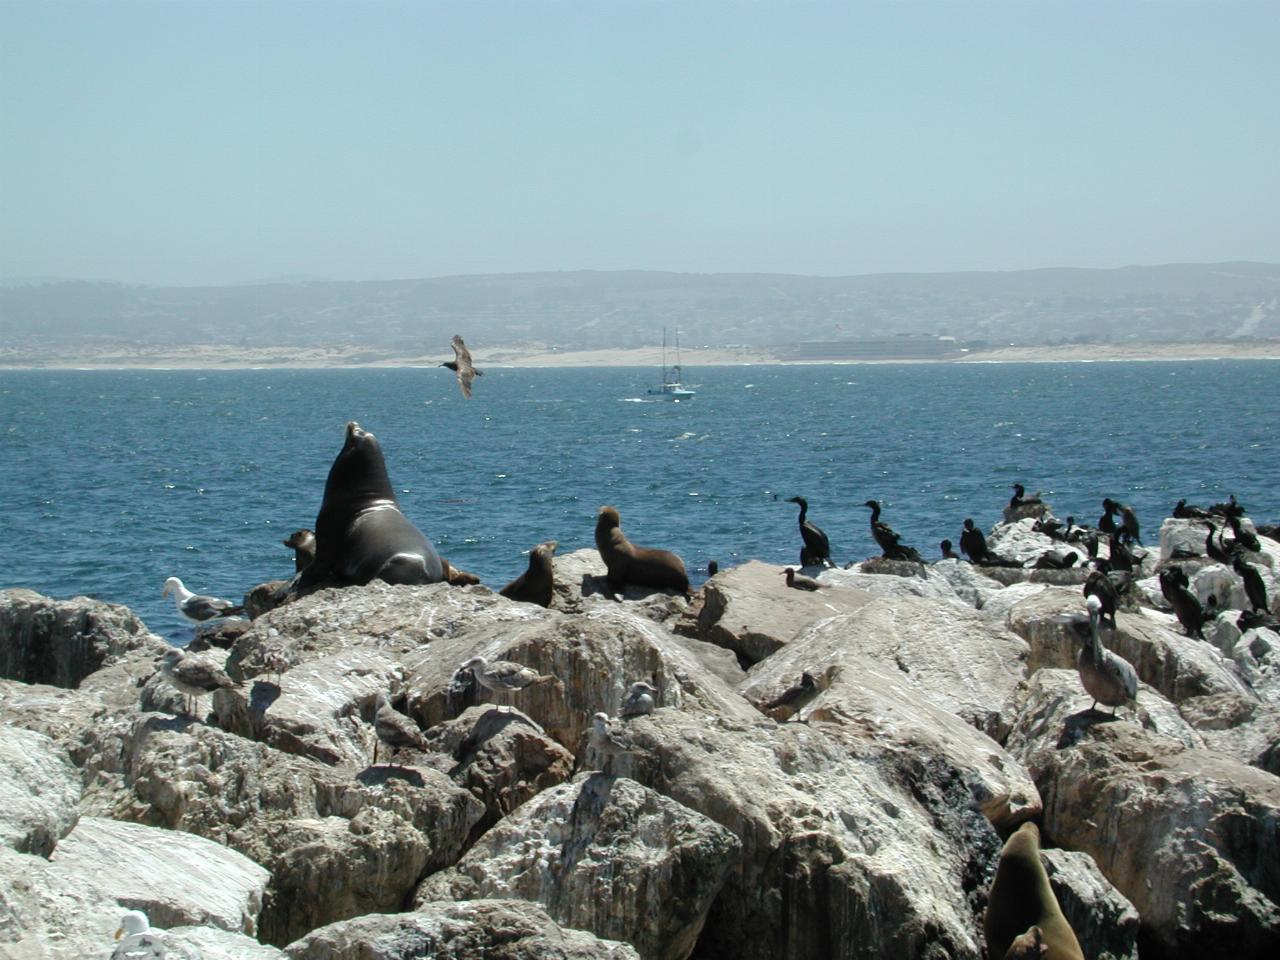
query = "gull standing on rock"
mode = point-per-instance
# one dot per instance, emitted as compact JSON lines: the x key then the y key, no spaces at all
{"x":394,"y":728}
{"x":198,"y":608}
{"x":606,"y":742}
{"x":1108,"y":678}
{"x":640,"y":700}
{"x":503,"y":676}
{"x":137,"y":941}
{"x":193,"y":676}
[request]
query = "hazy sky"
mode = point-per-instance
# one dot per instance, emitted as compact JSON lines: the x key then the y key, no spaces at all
{"x":193,"y":142}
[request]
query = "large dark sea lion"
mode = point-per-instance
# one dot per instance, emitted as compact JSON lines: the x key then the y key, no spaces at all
{"x":536,"y":584}
{"x":629,"y":564}
{"x":361,"y":535}
{"x":1020,"y":899}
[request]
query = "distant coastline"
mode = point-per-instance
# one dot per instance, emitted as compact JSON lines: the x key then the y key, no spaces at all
{"x":229,"y":357}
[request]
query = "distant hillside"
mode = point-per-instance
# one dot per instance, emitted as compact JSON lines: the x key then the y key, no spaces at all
{"x":592,"y":310}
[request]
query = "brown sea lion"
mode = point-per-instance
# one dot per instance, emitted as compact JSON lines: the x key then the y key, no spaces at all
{"x":629,"y":564}
{"x":361,"y":535}
{"x":1021,"y":898}
{"x":457,"y":578}
{"x":1028,"y":946}
{"x":303,"y":543}
{"x":536,"y":584}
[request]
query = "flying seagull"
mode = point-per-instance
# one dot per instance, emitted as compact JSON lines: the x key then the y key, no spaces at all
{"x":462,"y":366}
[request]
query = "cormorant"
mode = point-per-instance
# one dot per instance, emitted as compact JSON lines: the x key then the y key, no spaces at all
{"x":1020,"y":498}
{"x":1187,"y":608}
{"x":974,"y":543}
{"x":1056,"y":560}
{"x":1243,"y":537}
{"x":799,"y":581}
{"x":1232,"y":508}
{"x":817,"y":549}
{"x":1122,"y":558}
{"x":1216,"y":550}
{"x":1254,"y":588}
{"x":1184,"y":511}
{"x":1107,"y":523}
{"x":1099,"y":585}
{"x":887,"y":539}
{"x":947,"y":552}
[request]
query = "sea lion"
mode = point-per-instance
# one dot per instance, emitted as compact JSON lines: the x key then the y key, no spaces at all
{"x":303,"y":543}
{"x":361,"y":535}
{"x":536,"y":584}
{"x":1021,"y":898}
{"x":457,"y":578}
{"x":629,"y":564}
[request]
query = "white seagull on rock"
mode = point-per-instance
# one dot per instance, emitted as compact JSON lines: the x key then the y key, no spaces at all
{"x":198,"y":608}
{"x":640,"y":700}
{"x":137,"y":941}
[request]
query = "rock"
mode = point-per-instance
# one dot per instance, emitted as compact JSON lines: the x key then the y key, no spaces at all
{"x":1018,"y":540}
{"x":893,"y":578}
{"x":580,"y":582}
{"x":61,"y":642}
{"x":1257,"y":653}
{"x":469,"y":930}
{"x":39,"y":791}
{"x":175,"y":878}
{"x":1221,"y":583}
{"x":210,"y":943}
{"x":1238,"y":726}
{"x":61,"y":714}
{"x":751,"y":610}
{"x":1029,"y":512}
{"x":601,"y":854}
{"x":1105,"y":923}
{"x":1189,"y":836}
{"x":997,"y":606}
{"x":1178,"y":666}
{"x":968,"y":582}
{"x":336,"y":847}
{"x":954,"y":657}
{"x":49,"y":914}
{"x":503,"y":759}
{"x":851,"y":845}
{"x":1179,"y":537}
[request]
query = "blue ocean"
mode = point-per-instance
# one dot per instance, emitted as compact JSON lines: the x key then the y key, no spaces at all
{"x":112,"y":481}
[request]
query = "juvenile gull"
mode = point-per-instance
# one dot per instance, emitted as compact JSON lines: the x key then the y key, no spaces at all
{"x":137,"y":941}
{"x":198,"y":608}
{"x":503,"y":676}
{"x":792,"y":700}
{"x":640,"y":700}
{"x":607,"y":742}
{"x":193,"y":676}
{"x":394,"y":728}
{"x":1108,"y":678}
{"x":461,"y":365}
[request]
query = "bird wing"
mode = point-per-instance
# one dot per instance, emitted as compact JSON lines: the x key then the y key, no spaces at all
{"x":197,"y":673}
{"x":466,"y":372}
{"x":1122,"y":670}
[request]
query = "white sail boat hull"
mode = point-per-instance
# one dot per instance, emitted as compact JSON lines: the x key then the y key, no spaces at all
{"x":670,"y":388}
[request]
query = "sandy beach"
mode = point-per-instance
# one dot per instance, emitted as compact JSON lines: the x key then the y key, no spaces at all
{"x":229,"y":357}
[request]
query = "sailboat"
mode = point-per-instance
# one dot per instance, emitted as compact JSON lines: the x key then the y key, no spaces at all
{"x":671,"y":388}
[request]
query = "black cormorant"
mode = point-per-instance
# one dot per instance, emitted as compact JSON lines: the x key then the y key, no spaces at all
{"x":817,"y":549}
{"x":887,"y":539}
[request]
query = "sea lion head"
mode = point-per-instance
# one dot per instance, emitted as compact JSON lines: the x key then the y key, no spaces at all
{"x":1027,"y":946}
{"x":359,"y":474}
{"x":608,"y":518}
{"x":546,"y":549}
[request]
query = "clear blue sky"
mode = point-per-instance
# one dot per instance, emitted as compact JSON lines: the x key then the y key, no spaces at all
{"x":194,"y":142}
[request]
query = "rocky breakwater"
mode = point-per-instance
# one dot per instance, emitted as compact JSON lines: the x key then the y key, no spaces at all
{"x":751,"y":813}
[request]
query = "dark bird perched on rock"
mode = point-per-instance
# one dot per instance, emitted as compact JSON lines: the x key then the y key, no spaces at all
{"x":1186,"y":607}
{"x":462,"y":366}
{"x":1244,"y":538}
{"x":947,"y":552}
{"x":1107,"y":677}
{"x":1056,"y":560}
{"x":1050,"y":526}
{"x":1231,"y":508}
{"x":197,"y":608}
{"x":1107,"y":522}
{"x":537,"y":583}
{"x":303,"y":543}
{"x":1122,"y":558}
{"x":193,"y":677}
{"x":1020,"y":498}
{"x":713,"y":568}
{"x":888,"y":540}
{"x":1171,"y":578}
{"x":798,"y":581}
{"x":1128,"y":526}
{"x":974,"y":543}
{"x":1251,"y":619}
{"x":641,"y":699}
{"x":792,"y":700}
{"x":1185,"y":511}
{"x":394,"y":728}
{"x":1254,"y":588}
{"x":1217,"y":550}
{"x":1099,"y":585}
{"x":816,"y":549}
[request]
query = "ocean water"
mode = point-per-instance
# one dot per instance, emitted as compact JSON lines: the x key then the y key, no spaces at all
{"x":113,"y":481}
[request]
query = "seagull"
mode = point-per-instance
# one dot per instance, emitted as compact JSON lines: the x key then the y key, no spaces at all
{"x":792,"y":700}
{"x":503,"y":676}
{"x":640,"y":700}
{"x":137,"y":941}
{"x":394,"y":728}
{"x":197,"y":608}
{"x":1108,"y":678}
{"x":461,"y":365}
{"x":798,"y":581}
{"x":275,"y":662}
{"x":193,"y":676}
{"x":607,"y":742}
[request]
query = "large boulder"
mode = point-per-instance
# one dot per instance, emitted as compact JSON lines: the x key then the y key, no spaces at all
{"x":1238,"y":726}
{"x":893,"y":578}
{"x":175,"y":878}
{"x":1189,"y":836}
{"x":61,"y":714}
{"x":605,"y":855}
{"x":469,"y":930}
{"x":1105,"y":923}
{"x":39,"y":791}
{"x":969,"y":582}
{"x":336,"y":846}
{"x":47,"y":913}
{"x":61,"y":642}
{"x":751,"y":610}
